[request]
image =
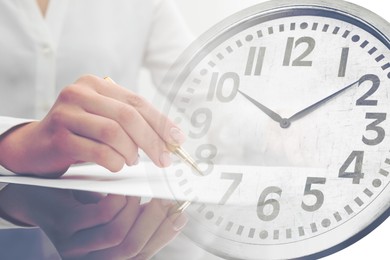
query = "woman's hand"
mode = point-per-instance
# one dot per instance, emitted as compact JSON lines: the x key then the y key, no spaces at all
{"x":90,"y":227}
{"x":93,"y":120}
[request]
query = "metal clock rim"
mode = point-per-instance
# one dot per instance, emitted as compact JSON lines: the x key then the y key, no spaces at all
{"x":193,"y":49}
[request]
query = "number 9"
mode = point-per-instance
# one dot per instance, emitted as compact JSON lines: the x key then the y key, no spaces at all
{"x":201,"y":119}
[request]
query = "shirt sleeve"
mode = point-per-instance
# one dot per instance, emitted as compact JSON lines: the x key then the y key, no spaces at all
{"x":168,"y":38}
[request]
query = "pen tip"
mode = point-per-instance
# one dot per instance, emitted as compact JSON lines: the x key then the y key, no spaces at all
{"x":198,"y":170}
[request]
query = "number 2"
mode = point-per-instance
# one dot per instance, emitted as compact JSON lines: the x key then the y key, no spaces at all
{"x":364,"y":101}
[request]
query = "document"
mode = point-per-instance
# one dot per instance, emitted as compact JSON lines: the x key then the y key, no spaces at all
{"x":226,"y":184}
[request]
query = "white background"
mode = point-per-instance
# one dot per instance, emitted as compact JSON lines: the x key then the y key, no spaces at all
{"x":201,"y":15}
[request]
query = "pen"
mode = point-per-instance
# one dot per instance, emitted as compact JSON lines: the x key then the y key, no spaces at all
{"x":177,"y":150}
{"x":184,"y":157}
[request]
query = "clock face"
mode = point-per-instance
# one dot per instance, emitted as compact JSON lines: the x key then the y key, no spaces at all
{"x":286,"y":109}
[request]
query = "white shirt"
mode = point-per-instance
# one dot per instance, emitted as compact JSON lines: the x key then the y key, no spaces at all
{"x":41,"y":55}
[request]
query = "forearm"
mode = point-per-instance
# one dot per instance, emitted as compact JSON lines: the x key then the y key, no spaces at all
{"x":11,"y":148}
{"x":7,"y":126}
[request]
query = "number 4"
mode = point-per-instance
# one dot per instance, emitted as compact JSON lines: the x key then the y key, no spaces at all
{"x":357,"y":174}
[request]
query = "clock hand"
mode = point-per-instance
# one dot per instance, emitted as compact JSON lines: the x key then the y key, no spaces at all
{"x":316,"y":105}
{"x":274,"y":116}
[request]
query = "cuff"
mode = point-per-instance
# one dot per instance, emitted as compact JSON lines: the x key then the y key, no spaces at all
{"x":6,"y":123}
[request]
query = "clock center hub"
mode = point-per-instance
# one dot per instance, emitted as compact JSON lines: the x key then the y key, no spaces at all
{"x":285,"y":123}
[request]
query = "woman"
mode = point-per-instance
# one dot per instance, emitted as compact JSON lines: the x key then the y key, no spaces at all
{"x":44,"y":48}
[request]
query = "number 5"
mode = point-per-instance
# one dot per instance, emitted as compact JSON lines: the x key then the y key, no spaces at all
{"x":317,"y":193}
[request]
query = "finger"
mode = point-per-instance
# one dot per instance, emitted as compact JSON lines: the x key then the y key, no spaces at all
{"x":104,"y":236}
{"x":153,"y":214}
{"x":87,"y":150}
{"x":134,"y":125}
{"x":104,"y":130}
{"x":145,"y":226}
{"x":166,"y":129}
{"x":168,"y":230}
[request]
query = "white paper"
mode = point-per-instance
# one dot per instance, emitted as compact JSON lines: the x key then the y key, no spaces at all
{"x":177,"y":182}
{"x":131,"y":181}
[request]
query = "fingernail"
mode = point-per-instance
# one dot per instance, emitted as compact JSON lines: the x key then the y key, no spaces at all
{"x":177,"y":135}
{"x":132,"y":163}
{"x":165,"y":159}
{"x":109,"y":80}
{"x":179,"y":221}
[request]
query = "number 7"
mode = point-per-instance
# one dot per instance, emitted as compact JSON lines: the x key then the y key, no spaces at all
{"x":237,"y":178}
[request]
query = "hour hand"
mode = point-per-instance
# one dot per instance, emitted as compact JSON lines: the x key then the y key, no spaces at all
{"x":274,"y":116}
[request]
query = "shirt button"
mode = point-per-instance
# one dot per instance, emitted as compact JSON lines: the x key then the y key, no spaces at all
{"x":46,"y":49}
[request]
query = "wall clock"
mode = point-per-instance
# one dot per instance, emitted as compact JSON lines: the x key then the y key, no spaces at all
{"x":286,"y":108}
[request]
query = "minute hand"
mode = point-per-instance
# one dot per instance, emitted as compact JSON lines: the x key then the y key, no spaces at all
{"x":316,"y":105}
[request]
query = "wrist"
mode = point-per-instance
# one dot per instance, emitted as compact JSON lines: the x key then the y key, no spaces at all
{"x":29,"y":149}
{"x":12,"y":147}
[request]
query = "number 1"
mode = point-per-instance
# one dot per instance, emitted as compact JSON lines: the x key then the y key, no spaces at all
{"x":343,"y":62}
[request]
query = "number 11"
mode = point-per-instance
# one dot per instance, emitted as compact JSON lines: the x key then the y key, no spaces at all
{"x":258,"y":63}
